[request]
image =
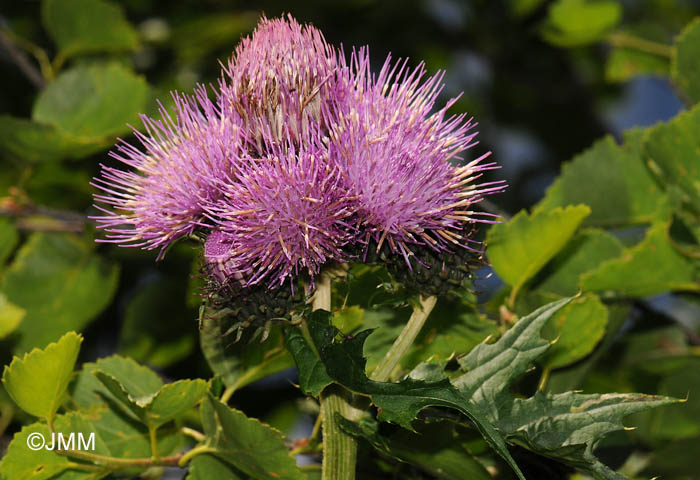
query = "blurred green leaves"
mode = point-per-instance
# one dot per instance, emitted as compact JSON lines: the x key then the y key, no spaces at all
{"x":519,"y":248}
{"x":61,"y":283}
{"x":87,"y":26}
{"x":648,"y":268}
{"x":95,"y":101}
{"x":78,"y":114}
{"x":685,"y":69}
{"x":579,"y":22}
{"x":612,"y":180}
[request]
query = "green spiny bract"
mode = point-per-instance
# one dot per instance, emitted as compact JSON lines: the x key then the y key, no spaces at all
{"x":431,"y":272}
{"x":254,"y":308}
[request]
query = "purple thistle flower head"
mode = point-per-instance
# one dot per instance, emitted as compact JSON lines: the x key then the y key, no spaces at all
{"x":397,"y":157}
{"x":183,"y":157}
{"x":283,"y":73}
{"x":301,"y":158}
{"x":288,"y":213}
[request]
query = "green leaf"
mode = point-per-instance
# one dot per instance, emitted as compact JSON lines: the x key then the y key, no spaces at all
{"x":679,"y":421}
{"x":613,"y":181}
{"x":22,"y":463}
{"x":94,"y":101}
{"x":240,"y":363}
{"x":453,"y":327}
{"x":37,"y":142}
{"x":60,"y":283}
{"x":199,"y":35}
{"x":138,"y":389}
{"x":88,"y":392}
{"x":490,"y":368}
{"x":573,"y":377}
{"x":87,"y":26}
{"x":174,"y":399}
{"x":577,"y":329}
{"x":38,"y":381}
{"x":397,"y":402}
{"x":155,"y":409}
{"x":435,"y":449}
{"x":673,"y":150}
{"x":648,"y":268}
{"x":519,"y":248}
{"x":522,"y":8}
{"x":8,"y":239}
{"x":565,"y":426}
{"x":584,"y":253}
{"x":625,"y":63}
{"x":114,"y":435}
{"x":157,"y":329}
{"x":207,"y":467}
{"x":252,"y":447}
{"x":125,"y":438}
{"x":572,"y":23}
{"x":10,"y":317}
{"x":685,"y":70}
{"x":312,"y":373}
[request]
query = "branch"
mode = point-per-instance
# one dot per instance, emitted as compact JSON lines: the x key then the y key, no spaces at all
{"x":22,"y":61}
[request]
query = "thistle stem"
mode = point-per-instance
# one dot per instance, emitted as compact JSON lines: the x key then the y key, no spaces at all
{"x":339,"y":448}
{"x":408,"y":335}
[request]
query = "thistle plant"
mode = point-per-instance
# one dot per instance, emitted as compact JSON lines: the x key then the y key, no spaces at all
{"x":305,"y":160}
{"x":332,"y":209}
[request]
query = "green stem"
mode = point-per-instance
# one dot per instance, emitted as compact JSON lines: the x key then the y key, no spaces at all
{"x":195,"y":434}
{"x":120,"y":463}
{"x":198,"y":450}
{"x":154,"y":442}
{"x":405,"y":339}
{"x":339,"y":448}
{"x":626,"y":40}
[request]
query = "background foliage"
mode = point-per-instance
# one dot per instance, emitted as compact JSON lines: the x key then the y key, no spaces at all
{"x":593,"y":100}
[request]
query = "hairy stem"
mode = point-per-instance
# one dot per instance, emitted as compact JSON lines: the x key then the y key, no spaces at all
{"x":339,"y":448}
{"x":405,"y":339}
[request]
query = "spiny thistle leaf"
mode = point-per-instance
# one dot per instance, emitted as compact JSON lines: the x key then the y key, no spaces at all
{"x":566,"y":426}
{"x":397,"y":402}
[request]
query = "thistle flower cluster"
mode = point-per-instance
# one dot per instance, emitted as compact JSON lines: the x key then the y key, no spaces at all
{"x":301,"y":158}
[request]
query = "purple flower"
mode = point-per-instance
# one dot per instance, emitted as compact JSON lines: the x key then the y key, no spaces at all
{"x":183,"y":157}
{"x":301,"y":158}
{"x":397,"y":156}
{"x":288,"y":213}
{"x":281,"y":75}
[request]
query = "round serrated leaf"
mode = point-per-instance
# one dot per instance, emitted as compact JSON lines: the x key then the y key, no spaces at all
{"x":86,"y":26}
{"x":93,"y":101}
{"x":576,"y":330}
{"x":60,"y":282}
{"x":685,"y":68}
{"x":174,"y":399}
{"x":37,"y":381}
{"x":519,"y":248}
